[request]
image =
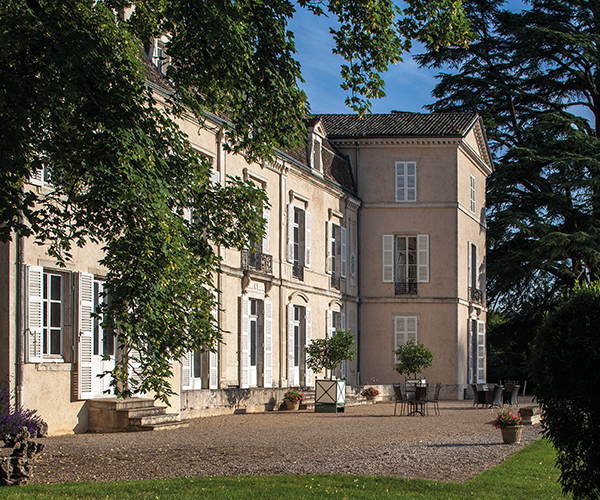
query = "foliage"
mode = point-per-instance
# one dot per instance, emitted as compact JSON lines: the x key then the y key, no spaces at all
{"x":413,"y":358}
{"x":12,"y":419}
{"x":564,"y":366}
{"x":506,"y":419}
{"x":328,"y":353}
{"x":74,"y":102}
{"x":369,"y":391}
{"x":527,"y":474}
{"x":294,"y":396}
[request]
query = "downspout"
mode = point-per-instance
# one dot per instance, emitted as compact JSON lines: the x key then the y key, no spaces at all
{"x":20,"y":330}
{"x":358,"y":340}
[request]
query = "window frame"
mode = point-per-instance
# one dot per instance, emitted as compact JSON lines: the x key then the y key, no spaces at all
{"x":405,"y":183}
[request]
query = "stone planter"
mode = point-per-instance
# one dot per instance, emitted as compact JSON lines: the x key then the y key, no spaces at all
{"x":512,"y":434}
{"x":330,"y":396}
{"x":292,"y":405}
{"x":371,"y":398}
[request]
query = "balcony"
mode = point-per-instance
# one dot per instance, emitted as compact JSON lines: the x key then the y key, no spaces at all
{"x":406,"y":287}
{"x":297,"y":271}
{"x":257,"y":261}
{"x":335,"y":282}
{"x":475,"y":295}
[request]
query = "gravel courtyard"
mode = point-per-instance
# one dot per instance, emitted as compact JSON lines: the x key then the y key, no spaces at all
{"x":366,"y":440}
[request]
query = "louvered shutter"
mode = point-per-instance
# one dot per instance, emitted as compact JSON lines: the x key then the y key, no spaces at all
{"x":134,"y":368}
{"x":475,"y":268}
{"x":268,"y":368}
{"x":244,"y":344}
{"x":343,"y":321}
{"x":400,"y":182}
{"x":290,"y":232}
{"x":480,"y":352}
{"x":343,"y":268}
{"x":411,"y":181}
{"x":388,"y":258}
{"x":186,"y":371}
{"x":37,"y":177}
{"x":35,"y":291}
{"x":290,"y":343}
{"x":399,"y":332}
{"x":86,"y":338}
{"x":307,"y":245}
{"x":265,"y":241}
{"x":308,"y":338}
{"x":411,"y":328}
{"x":329,"y":323}
{"x":423,"y":257}
{"x":213,"y":361}
{"x":470,"y":249}
{"x":329,"y":247}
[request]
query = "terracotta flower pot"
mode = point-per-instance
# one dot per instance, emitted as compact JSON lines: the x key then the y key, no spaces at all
{"x":371,"y":398}
{"x":292,"y":405}
{"x":512,"y":434}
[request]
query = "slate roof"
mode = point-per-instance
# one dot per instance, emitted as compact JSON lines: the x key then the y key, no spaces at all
{"x":398,"y":124}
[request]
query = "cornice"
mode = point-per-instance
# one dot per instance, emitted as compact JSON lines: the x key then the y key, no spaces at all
{"x":390,"y":142}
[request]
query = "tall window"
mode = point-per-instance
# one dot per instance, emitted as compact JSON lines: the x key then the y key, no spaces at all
{"x":405,"y":329}
{"x":256,"y":343}
{"x":472,"y":193}
{"x":299,"y":244}
{"x":336,"y":253}
{"x":406,"y":181}
{"x":405,"y":261}
{"x":52,"y":311}
{"x":299,"y":337}
{"x":104,"y":339}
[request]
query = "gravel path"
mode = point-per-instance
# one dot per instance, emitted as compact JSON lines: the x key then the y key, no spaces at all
{"x":366,"y":440}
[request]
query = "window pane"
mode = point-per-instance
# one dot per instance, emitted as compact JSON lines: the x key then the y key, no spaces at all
{"x":55,"y":341}
{"x":45,"y":286}
{"x":56,"y":287}
{"x":55,"y":315}
{"x":296,"y":345}
{"x":197,"y":367}
{"x":108,"y":343}
{"x":253,"y":343}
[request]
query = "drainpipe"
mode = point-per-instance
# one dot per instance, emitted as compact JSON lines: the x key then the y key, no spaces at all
{"x":20,"y":330}
{"x":358,"y":340}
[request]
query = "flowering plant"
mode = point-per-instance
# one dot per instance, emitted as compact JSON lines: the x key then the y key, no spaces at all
{"x":507,"y":419}
{"x":12,"y":419}
{"x":369,"y":391}
{"x":294,"y":396}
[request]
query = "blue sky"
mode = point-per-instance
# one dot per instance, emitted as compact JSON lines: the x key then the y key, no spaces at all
{"x":408,"y":87}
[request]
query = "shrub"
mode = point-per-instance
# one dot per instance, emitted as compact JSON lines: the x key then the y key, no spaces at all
{"x":13,"y":419}
{"x":564,"y":367}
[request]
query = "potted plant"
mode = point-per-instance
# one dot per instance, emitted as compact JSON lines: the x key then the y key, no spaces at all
{"x":326,"y":354}
{"x":370,"y":393}
{"x":413,"y":358}
{"x":510,"y":426}
{"x":293,"y":399}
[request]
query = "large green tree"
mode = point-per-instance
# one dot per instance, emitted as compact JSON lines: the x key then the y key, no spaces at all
{"x":73,"y":101}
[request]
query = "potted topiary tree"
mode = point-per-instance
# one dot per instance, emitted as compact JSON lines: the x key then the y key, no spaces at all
{"x":413,"y":358}
{"x":326,"y":354}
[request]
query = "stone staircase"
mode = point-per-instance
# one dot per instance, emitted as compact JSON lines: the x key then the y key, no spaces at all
{"x":130,"y":415}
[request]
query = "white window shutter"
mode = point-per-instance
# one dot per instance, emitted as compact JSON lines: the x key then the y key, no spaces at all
{"x":423,"y":257}
{"x":134,"y":367}
{"x":329,"y":322}
{"x":265,"y":241}
{"x":85,"y":340}
{"x":268,"y":357}
{"x":400,"y":181}
{"x":411,"y":181}
{"x":37,"y":178}
{"x":411,"y":328}
{"x":244,"y":343}
{"x":35,"y":291}
{"x":307,"y":245}
{"x":388,"y":258}
{"x":343,"y":321}
{"x":328,"y":238}
{"x":186,"y":371}
{"x":308,"y":339}
{"x":480,"y":352}
{"x":343,"y":268}
{"x":290,"y":245}
{"x":472,"y":194}
{"x":475,"y":267}
{"x":213,"y":374}
{"x":399,"y":332}
{"x":290,"y":342}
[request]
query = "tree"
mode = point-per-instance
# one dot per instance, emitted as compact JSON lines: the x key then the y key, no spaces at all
{"x":328,"y":353}
{"x":412,"y":358}
{"x":564,"y":367}
{"x":73,"y":102}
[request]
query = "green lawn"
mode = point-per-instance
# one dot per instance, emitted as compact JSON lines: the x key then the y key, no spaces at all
{"x":528,"y":474}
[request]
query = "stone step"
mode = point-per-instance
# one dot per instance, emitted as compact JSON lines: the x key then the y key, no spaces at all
{"x":164,"y":426}
{"x":154,"y":419}
{"x":119,"y":404}
{"x":146,"y":411}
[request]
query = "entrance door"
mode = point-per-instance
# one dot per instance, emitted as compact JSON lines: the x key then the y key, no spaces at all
{"x":103,"y":354}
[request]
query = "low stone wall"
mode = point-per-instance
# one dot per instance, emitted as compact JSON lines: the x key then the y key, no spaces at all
{"x":207,"y":403}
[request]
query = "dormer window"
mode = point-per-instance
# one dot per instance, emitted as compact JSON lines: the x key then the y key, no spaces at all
{"x":160,"y":58}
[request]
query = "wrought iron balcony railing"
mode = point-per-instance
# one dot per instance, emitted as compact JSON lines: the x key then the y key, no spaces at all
{"x":475,"y":295}
{"x":297,"y":271}
{"x":406,"y":287}
{"x":257,"y":261}
{"x":335,"y":282}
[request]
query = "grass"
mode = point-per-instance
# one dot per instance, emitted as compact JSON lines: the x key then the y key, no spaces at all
{"x":528,"y":474}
